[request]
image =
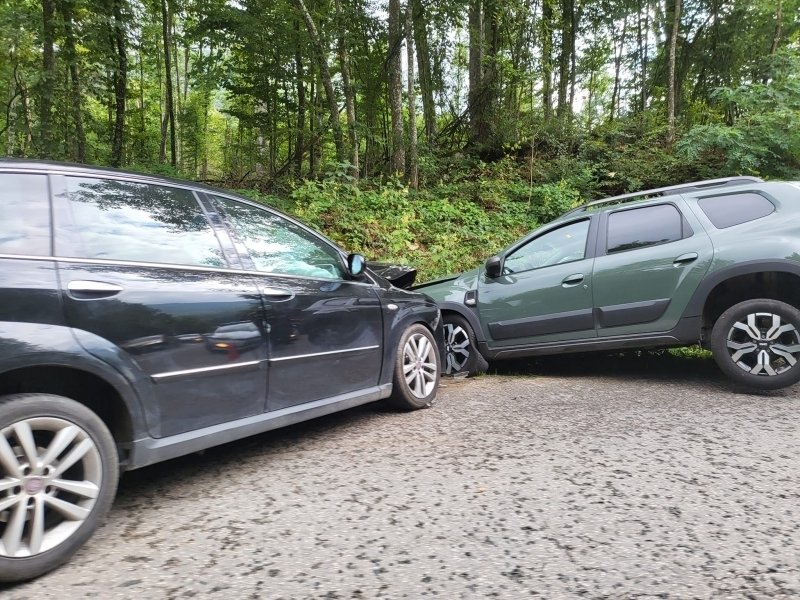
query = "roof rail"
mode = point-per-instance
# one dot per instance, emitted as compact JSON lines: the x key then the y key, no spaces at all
{"x":672,"y":189}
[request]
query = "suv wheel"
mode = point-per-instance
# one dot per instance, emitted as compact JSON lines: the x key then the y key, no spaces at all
{"x":58,"y":475}
{"x":461,"y":351}
{"x":416,"y":369}
{"x":757,"y":343}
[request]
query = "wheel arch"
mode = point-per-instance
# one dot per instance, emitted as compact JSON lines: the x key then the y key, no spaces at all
{"x":466,"y":313}
{"x":111,"y":404}
{"x":775,"y":280}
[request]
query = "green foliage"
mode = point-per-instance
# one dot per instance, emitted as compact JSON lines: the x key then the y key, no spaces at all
{"x":762,"y":135}
{"x":449,"y":226}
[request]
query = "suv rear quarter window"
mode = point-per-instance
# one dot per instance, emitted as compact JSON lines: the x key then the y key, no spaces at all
{"x":735,"y":209}
{"x":24,"y":214}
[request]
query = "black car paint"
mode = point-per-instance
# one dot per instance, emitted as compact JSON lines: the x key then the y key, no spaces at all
{"x":151,"y":327}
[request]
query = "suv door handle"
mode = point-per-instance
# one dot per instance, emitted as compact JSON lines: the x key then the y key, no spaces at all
{"x":91,"y":290}
{"x":277,"y":294}
{"x":685,"y":259}
{"x":571,"y":280}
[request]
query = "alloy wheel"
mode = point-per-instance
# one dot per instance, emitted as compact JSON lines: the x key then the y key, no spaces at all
{"x":420,"y":368}
{"x":457,"y":348}
{"x":763,"y":344}
{"x":52,"y":475}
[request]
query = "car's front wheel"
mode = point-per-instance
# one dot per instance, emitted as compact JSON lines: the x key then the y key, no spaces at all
{"x":416,"y":369}
{"x":58,"y":476}
{"x":757,"y":343}
{"x":461,"y":352}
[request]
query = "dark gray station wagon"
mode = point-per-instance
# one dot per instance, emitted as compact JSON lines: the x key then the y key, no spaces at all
{"x":142,"y":319}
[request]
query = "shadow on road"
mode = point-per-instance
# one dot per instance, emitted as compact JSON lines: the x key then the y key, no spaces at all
{"x":655,"y":365}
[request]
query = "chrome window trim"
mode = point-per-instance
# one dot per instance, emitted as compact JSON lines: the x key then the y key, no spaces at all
{"x":168,"y":374}
{"x":126,"y":263}
{"x":299,"y":356}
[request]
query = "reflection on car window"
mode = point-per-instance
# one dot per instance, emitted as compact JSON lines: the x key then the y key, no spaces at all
{"x":561,"y":245}
{"x":139,"y":222}
{"x":277,"y":245}
{"x":25,"y":222}
{"x":641,"y":227}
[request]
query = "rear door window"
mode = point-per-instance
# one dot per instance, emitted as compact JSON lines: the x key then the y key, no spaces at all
{"x":139,"y":222}
{"x":643,"y":227}
{"x":24,"y":214}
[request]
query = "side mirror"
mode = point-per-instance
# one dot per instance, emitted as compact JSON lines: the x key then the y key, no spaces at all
{"x":356,"y":264}
{"x":494,"y":267}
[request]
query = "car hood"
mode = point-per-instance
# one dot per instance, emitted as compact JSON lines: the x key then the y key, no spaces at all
{"x":451,"y":287}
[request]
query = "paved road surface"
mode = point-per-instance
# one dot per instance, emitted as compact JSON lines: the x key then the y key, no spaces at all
{"x":614,"y":478}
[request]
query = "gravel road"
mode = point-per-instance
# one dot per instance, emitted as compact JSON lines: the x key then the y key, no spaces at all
{"x":614,"y":478}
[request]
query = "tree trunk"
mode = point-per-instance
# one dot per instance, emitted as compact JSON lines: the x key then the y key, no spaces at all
{"x":776,"y":36}
{"x":412,"y":166}
{"x":398,"y":161}
{"x":325,"y":75}
{"x":301,"y":106}
{"x":349,"y":94}
{"x":424,"y":74}
{"x":567,"y":38}
{"x":476,"y":48}
{"x":47,"y":80}
{"x":673,"y":44}
{"x":547,"y":58}
{"x":166,"y":32}
{"x":75,"y":83}
{"x":120,"y":85}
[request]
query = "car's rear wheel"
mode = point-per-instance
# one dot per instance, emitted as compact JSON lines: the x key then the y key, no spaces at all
{"x":58,"y":476}
{"x":416,"y":369}
{"x":757,"y":343}
{"x":461,"y":355}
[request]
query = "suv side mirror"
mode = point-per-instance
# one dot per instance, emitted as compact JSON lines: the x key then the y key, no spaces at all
{"x":356,"y":264}
{"x":494,"y":267}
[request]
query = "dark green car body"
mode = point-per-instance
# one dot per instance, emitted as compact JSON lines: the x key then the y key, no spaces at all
{"x":648,"y":270}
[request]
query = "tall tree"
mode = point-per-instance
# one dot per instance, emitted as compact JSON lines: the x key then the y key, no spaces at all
{"x":395,"y":67}
{"x":76,"y":99}
{"x":119,"y":40}
{"x":674,"y":8}
{"x":47,"y":79}
{"x":349,"y":93}
{"x":166,"y":33}
{"x":325,"y":75}
{"x":412,"y":166}
{"x":424,"y":72}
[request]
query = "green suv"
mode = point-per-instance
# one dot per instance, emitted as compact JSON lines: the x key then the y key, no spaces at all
{"x":712,"y":262}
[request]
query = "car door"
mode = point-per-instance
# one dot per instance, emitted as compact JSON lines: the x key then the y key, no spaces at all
{"x":650,"y":261}
{"x":141,"y":267}
{"x":324,"y":331}
{"x":544,"y":293}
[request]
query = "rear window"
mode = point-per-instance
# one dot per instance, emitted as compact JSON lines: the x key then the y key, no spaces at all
{"x":735,"y":209}
{"x":25,"y":210}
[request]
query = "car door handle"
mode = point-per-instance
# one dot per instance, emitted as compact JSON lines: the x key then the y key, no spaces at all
{"x":571,"y":280}
{"x":685,"y":259}
{"x":91,"y":290}
{"x":277,"y":294}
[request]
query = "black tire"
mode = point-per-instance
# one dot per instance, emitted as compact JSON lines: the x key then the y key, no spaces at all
{"x":32,"y":423}
{"x":461,"y":349}
{"x":417,"y":367}
{"x":753,"y":343}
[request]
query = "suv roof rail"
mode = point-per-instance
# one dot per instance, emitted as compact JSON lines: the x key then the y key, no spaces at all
{"x":672,"y":189}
